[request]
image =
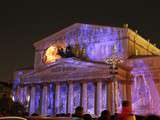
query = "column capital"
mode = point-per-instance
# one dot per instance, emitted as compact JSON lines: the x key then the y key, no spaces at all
{"x":83,"y":81}
{"x":32,"y":85}
{"x":21,"y":85}
{"x":70,"y":81}
{"x":45,"y":84}
{"x":98,"y":80}
{"x":25,"y":85}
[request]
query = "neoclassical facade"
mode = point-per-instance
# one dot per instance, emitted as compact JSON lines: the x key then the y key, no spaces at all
{"x":70,"y":70}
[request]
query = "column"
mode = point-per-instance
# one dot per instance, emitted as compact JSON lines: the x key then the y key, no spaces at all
{"x":104,"y":96}
{"x":45,"y":100}
{"x":98,"y":98}
{"x":57,"y":97}
{"x":70,"y":98}
{"x":25,"y":94}
{"x":124,"y":90}
{"x":128,"y":91}
{"x":21,"y":94}
{"x":115,"y":96}
{"x":17,"y":94}
{"x":27,"y":97}
{"x":110,"y":96}
{"x":84,"y":97}
{"x":32,"y":99}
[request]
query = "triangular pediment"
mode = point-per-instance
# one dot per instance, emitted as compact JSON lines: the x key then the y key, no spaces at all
{"x":69,"y":68}
{"x":73,"y":69}
{"x":71,"y":65}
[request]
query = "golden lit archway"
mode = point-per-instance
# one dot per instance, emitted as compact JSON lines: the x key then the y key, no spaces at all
{"x":51,"y":54}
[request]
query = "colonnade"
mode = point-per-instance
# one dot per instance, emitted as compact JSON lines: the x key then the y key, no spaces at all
{"x":98,"y":99}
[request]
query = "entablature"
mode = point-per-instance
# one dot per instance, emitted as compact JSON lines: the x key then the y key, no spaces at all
{"x":72,"y":69}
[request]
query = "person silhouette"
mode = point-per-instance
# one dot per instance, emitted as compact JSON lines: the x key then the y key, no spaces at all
{"x":105,"y":115}
{"x":78,"y":115}
{"x":126,"y":113}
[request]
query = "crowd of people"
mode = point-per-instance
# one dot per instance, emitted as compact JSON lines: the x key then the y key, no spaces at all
{"x":126,"y":114}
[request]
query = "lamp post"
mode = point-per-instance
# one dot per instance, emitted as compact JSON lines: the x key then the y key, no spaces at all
{"x":112,"y":63}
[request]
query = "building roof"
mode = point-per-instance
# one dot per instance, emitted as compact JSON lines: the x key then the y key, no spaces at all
{"x":72,"y":28}
{"x":142,"y":56}
{"x":124,"y":31}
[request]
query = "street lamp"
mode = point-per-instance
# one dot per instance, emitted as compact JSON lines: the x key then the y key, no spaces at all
{"x":112,"y":62}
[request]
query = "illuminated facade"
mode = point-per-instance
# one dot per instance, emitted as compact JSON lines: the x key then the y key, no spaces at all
{"x":59,"y":83}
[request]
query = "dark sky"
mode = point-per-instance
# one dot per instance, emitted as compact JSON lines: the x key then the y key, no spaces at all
{"x":23,"y":22}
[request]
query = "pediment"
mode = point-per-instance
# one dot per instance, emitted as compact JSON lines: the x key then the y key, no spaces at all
{"x":69,"y":65}
{"x":68,"y":68}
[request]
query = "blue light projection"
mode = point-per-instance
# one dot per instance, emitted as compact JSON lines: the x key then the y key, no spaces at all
{"x":90,"y":97}
{"x":63,"y":98}
{"x":145,"y":96}
{"x":104,"y":96}
{"x":38,"y":100}
{"x":16,"y":83}
{"x":76,"y":95}
{"x":51,"y":99}
{"x":97,"y":40}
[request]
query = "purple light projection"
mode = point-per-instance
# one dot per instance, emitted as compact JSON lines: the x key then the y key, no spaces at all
{"x":120,"y":97}
{"x":145,"y":96}
{"x":97,"y":40}
{"x":76,"y":95}
{"x":90,"y":97}
{"x":63,"y":98}
{"x":104,"y":96}
{"x":38,"y":101}
{"x":51,"y":99}
{"x":18,"y":96}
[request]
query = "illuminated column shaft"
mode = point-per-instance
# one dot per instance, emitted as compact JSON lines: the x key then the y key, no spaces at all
{"x":110,"y":96}
{"x":104,"y":97}
{"x":25,"y":93}
{"x":84,"y":96}
{"x":128,"y":92}
{"x":17,"y":94}
{"x":115,"y":96}
{"x":32,"y":101}
{"x":99,"y":98}
{"x":70,"y":97}
{"x":22,"y":94}
{"x":45,"y":100}
{"x":124,"y":91}
{"x":57,"y":98}
{"x":27,"y":97}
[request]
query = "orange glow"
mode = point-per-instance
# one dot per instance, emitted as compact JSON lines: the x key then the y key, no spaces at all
{"x":51,"y":55}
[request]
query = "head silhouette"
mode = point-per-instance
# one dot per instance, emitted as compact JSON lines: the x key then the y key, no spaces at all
{"x":105,"y":114}
{"x":79,"y":111}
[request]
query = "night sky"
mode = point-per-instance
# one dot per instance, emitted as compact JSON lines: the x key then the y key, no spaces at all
{"x":24,"y":22}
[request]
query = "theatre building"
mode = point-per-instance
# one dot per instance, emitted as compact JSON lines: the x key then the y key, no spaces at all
{"x":93,"y":66}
